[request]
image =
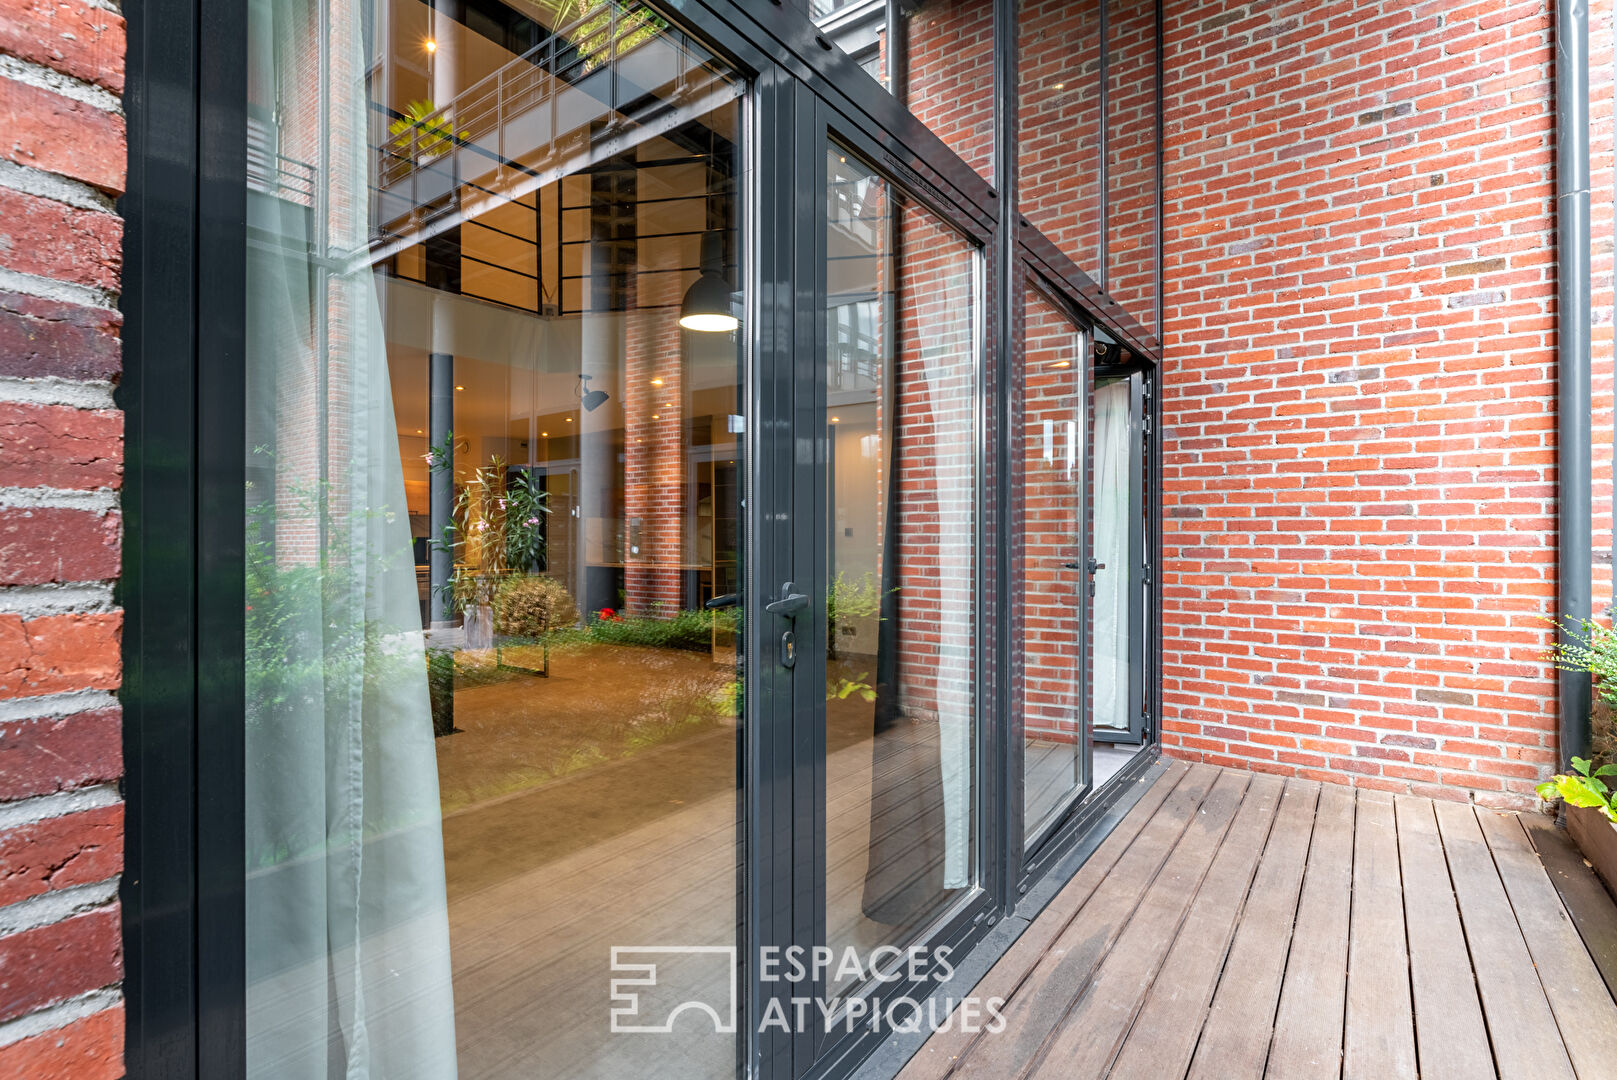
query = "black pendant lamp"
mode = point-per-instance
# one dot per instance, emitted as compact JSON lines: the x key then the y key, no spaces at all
{"x":709,"y":305}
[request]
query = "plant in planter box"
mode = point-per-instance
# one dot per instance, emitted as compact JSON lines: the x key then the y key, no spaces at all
{"x":1591,"y":818}
{"x":1582,"y":787}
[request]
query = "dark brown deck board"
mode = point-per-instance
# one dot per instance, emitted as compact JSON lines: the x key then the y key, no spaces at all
{"x":1379,"y":1039}
{"x":1521,"y":1026}
{"x":1290,"y":929}
{"x":1583,"y":1008}
{"x":1451,"y":1038}
{"x":1585,"y":898}
{"x":1062,"y":973}
{"x":1003,"y":980}
{"x":1093,"y":1030}
{"x":1163,"y":1036}
{"x":1307,"y":1039}
{"x":1234,"y":1043}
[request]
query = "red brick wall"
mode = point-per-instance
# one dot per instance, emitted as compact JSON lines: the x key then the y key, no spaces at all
{"x":61,"y":464}
{"x":1359,"y":403}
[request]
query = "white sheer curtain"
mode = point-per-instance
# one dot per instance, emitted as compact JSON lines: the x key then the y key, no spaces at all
{"x":1111,"y":518}
{"x":347,"y":936}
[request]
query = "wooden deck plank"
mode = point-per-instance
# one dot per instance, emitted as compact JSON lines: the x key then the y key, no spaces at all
{"x":1161,"y":1037}
{"x":1087,"y":1040}
{"x":1379,"y":1039}
{"x":1583,"y":1007}
{"x":1164,"y":1034}
{"x":1521,"y":1025}
{"x":1585,"y":898}
{"x":1308,"y":1025}
{"x":1062,"y":973}
{"x":940,"y":1053}
{"x":1234,"y":1040}
{"x":1451,"y":1039}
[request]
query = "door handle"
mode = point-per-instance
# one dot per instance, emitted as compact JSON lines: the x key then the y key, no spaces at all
{"x":790,"y":602}
{"x":724,"y":600}
{"x":1092,"y":567}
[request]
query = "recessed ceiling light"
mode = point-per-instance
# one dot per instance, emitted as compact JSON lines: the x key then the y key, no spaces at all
{"x":836,"y":419}
{"x":656,"y":382}
{"x":460,"y":388}
{"x":1062,"y":363}
{"x":569,"y":419}
{"x":431,"y":45}
{"x":544,"y":434}
{"x":654,"y":416}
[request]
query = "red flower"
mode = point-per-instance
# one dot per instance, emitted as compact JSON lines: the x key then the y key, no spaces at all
{"x":606,"y":614}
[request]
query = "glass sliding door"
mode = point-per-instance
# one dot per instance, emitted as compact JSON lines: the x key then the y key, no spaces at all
{"x":496,"y":474}
{"x":1050,"y":601}
{"x":900,"y":653}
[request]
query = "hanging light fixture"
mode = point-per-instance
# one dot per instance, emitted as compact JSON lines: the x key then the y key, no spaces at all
{"x":709,"y":305}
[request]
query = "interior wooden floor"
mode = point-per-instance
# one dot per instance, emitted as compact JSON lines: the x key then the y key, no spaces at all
{"x":1237,"y":925}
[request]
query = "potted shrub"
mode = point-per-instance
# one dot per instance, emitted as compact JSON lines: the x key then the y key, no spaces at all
{"x":1591,"y":817}
{"x":527,"y":608}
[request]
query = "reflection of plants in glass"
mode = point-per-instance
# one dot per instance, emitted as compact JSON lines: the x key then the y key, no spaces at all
{"x":421,"y":127}
{"x":531,"y":606}
{"x":601,"y":30}
{"x":847,"y":600}
{"x":691,"y":630}
{"x":497,"y":526}
{"x":841,"y":689}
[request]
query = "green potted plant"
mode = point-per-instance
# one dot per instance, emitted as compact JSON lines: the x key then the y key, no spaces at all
{"x":496,"y":528}
{"x":1591,"y":816}
{"x":528,"y":608}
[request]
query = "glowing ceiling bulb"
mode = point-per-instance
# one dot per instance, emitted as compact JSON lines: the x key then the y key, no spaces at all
{"x":432,"y":46}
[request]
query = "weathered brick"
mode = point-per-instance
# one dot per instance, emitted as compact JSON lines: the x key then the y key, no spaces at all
{"x":60,"y":447}
{"x":73,"y":37}
{"x":51,"y":963}
{"x":48,"y":754}
{"x":56,"y":653}
{"x":60,"y":852}
{"x":48,"y":131}
{"x":41,"y":545}
{"x":51,"y":239}
{"x":87,"y":1049}
{"x":45,"y":338}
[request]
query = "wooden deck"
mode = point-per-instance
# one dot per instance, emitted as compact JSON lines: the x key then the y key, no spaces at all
{"x":1237,"y":925}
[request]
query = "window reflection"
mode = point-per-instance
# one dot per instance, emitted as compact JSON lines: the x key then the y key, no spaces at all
{"x":494,"y":490}
{"x":900,"y":651}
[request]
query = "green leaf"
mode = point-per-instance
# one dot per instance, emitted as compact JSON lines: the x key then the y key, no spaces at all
{"x":1606,"y":770}
{"x":1575,"y":790}
{"x":1581,"y":764}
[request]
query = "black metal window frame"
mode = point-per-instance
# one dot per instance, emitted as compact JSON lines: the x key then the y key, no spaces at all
{"x":183,"y":389}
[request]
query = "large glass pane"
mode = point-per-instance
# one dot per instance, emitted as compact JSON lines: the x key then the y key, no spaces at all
{"x":1059,"y":116}
{"x":494,"y":484}
{"x":936,"y":57}
{"x":900,"y":432}
{"x":1131,"y":156}
{"x":1048,"y":576}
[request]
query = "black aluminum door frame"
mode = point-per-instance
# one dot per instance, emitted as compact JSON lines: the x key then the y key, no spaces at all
{"x":819,"y":126}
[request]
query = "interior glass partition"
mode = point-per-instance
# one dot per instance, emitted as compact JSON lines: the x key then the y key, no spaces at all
{"x":494,"y":537}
